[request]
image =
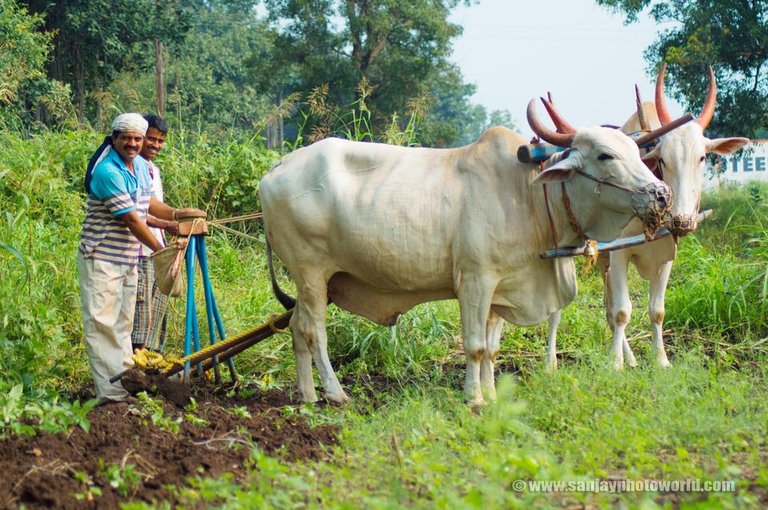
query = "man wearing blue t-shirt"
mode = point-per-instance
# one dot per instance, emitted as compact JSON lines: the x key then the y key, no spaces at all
{"x":119,"y":197}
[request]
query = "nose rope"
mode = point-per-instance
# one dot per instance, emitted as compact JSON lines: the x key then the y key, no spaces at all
{"x":608,"y":183}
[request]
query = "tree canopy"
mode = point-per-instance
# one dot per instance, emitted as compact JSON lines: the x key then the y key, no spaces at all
{"x":729,"y":35}
{"x":219,"y":66}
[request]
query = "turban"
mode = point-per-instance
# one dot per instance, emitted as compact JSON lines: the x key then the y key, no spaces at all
{"x":130,"y":123}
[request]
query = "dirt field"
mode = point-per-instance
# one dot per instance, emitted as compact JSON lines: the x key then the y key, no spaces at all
{"x":49,"y":471}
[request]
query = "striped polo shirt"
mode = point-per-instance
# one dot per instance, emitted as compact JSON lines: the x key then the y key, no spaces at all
{"x":115,"y":190}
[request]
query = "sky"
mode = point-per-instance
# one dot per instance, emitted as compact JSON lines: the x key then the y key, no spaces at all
{"x":515,"y":50}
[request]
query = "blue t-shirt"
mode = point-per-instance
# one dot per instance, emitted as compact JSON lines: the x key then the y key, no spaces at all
{"x":115,"y":191}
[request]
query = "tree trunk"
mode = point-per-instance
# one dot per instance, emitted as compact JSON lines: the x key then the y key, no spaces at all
{"x":159,"y":78}
{"x":274,"y":131}
{"x":79,"y":80}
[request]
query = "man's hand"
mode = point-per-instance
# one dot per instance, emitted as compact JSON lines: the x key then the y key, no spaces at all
{"x":172,"y":227}
{"x":189,"y":212}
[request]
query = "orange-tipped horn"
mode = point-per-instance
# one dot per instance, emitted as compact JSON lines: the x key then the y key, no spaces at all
{"x":709,"y":103}
{"x":559,"y":139}
{"x":661,"y":103}
{"x":560,"y":123}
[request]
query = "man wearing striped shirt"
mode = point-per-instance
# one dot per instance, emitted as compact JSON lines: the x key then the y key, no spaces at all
{"x":119,"y":197}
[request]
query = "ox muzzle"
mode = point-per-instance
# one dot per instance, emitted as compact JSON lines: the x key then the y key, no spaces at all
{"x":651,"y":204}
{"x":682,"y":224}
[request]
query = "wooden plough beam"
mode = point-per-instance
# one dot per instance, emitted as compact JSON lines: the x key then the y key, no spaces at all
{"x":225,"y":349}
{"x":618,"y":244}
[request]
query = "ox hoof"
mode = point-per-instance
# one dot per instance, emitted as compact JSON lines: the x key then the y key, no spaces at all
{"x":338,"y":398}
{"x":550,"y":366}
{"x":663,"y":362}
{"x":632,"y":363}
{"x":307,"y":396}
{"x":476,"y":407}
{"x":617,"y":365}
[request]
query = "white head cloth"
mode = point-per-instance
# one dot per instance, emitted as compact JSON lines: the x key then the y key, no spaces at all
{"x":130,"y":123}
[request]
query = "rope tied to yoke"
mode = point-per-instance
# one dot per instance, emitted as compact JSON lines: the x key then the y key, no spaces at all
{"x":271,"y":323}
{"x":233,"y":219}
{"x":590,"y":246}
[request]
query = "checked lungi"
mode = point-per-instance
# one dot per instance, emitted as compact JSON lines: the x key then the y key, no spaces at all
{"x":150,"y":320}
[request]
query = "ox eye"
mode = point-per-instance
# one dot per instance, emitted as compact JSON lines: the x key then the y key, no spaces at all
{"x":604,"y":157}
{"x":701,"y":159}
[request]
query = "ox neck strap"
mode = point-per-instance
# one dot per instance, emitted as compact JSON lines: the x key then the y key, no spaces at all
{"x":571,"y":215}
{"x":549,"y":215}
{"x":574,"y":222}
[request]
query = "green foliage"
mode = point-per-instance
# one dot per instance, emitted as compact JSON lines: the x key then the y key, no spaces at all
{"x":22,"y":416}
{"x":153,"y":409}
{"x":226,"y":68}
{"x":98,"y":39}
{"x":123,"y":478}
{"x":353,"y":122}
{"x":731,"y":36}
{"x":24,"y":86}
{"x":395,"y":46}
{"x":720,"y":281}
{"x":39,"y":227}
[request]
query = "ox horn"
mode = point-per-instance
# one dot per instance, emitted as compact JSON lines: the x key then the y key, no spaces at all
{"x":644,"y":125}
{"x":709,"y":103}
{"x":559,"y":139}
{"x":562,"y":125}
{"x":661,"y":103}
{"x":663,"y":130}
{"x":707,"y":112}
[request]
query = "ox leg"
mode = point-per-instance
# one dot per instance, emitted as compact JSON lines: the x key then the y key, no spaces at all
{"x":305,"y":383}
{"x":309,"y":336}
{"x":656,"y":312}
{"x":550,"y":362}
{"x":474,"y":305}
{"x":493,"y":330}
{"x":620,"y":309}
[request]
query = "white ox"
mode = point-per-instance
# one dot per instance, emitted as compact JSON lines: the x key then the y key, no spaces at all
{"x":679,"y":158}
{"x":377,"y":229}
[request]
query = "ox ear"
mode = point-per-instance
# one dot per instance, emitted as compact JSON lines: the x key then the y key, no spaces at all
{"x":725,"y":146}
{"x":562,"y":170}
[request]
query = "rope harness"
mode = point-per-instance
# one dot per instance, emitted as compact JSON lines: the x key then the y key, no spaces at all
{"x":641,"y":199}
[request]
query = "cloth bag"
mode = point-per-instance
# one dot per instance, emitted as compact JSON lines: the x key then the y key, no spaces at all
{"x":169,"y":263}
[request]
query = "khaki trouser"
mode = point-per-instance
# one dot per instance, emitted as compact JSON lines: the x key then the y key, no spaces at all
{"x":107,"y":300}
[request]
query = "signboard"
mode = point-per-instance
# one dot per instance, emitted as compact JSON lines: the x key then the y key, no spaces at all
{"x":750,"y":164}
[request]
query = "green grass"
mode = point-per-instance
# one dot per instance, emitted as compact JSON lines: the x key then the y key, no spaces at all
{"x":423,"y":448}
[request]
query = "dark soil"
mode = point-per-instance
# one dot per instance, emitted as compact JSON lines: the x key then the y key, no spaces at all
{"x":49,"y":471}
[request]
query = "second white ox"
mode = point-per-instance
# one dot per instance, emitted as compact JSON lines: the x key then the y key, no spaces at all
{"x":378,"y":229}
{"x":679,"y":158}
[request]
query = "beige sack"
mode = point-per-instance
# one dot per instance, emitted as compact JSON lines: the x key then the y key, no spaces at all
{"x":169,"y":266}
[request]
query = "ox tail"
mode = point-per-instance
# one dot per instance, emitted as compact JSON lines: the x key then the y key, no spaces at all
{"x":287,"y":301}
